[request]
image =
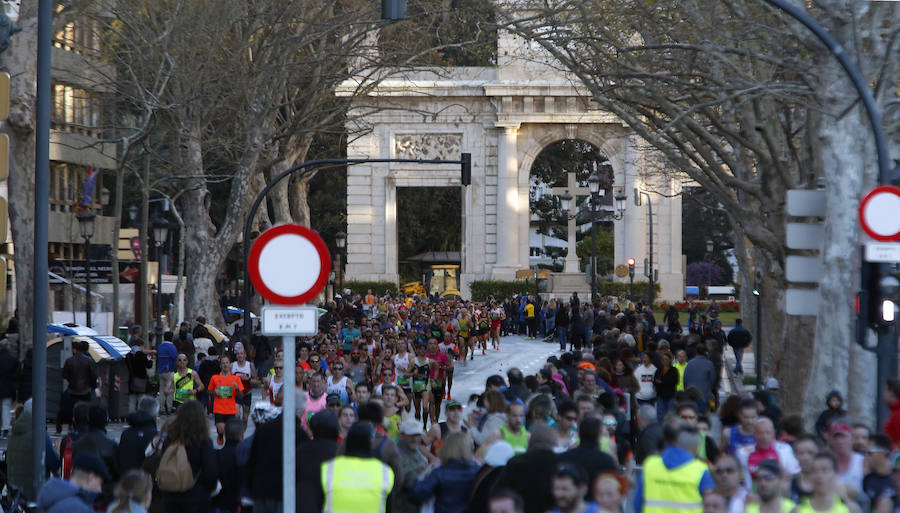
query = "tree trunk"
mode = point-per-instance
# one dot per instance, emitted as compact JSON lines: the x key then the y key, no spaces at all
{"x":846,"y":150}
{"x":19,"y":59}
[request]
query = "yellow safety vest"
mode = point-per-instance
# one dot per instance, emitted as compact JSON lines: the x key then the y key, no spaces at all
{"x":183,"y":392}
{"x":356,"y":485}
{"x":787,"y":506}
{"x":680,"y":367}
{"x":672,"y":491}
{"x":837,"y":506}
{"x":519,"y":442}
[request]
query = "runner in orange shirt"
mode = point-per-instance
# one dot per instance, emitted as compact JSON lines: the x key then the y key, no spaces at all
{"x":225,"y":388}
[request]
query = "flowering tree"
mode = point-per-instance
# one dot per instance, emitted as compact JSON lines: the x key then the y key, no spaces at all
{"x":704,"y":273}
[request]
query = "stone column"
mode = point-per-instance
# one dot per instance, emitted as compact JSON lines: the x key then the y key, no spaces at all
{"x":507,"y":204}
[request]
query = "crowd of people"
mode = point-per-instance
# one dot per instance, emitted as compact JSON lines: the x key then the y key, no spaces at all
{"x":628,"y":417}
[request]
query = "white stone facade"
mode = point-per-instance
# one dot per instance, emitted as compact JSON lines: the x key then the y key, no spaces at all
{"x":504,"y":116}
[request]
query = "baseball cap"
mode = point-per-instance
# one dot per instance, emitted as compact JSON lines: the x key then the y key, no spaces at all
{"x":771,"y":384}
{"x":454,"y":404}
{"x":92,"y":464}
{"x":410,"y":427}
{"x":839,"y":427}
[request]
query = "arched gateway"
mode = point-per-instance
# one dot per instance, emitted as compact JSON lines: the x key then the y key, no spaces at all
{"x":504,"y":116}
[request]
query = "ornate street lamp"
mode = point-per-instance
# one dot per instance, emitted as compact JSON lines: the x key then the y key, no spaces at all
{"x":160,"y":235}
{"x":86,"y":224}
{"x":340,"y":240}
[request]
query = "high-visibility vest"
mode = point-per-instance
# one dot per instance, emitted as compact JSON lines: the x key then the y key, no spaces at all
{"x":787,"y":506}
{"x":672,"y":491}
{"x":356,"y":485}
{"x":183,"y":392}
{"x":519,"y":442}
{"x":680,"y":367}
{"x":837,"y":506}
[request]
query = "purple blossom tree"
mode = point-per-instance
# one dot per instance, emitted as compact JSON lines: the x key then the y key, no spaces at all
{"x":704,"y":273}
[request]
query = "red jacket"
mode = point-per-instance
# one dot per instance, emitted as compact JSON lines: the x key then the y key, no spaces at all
{"x":892,"y":425}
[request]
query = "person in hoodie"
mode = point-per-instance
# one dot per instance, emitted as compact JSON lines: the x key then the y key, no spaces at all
{"x":140,"y":432}
{"x":313,"y":453}
{"x":18,"y":453}
{"x":834,"y":408}
{"x":96,"y":442}
{"x":76,"y":495}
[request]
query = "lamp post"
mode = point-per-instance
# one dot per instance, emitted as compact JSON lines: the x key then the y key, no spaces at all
{"x":160,"y":234}
{"x":709,"y":250}
{"x":594,"y":186}
{"x":86,"y":223}
{"x":340,"y":240}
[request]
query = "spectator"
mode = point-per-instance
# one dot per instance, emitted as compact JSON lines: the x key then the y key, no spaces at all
{"x":739,"y":339}
{"x":676,"y":464}
{"x":589,"y":454}
{"x":450,"y":483}
{"x":650,"y":434}
{"x":313,"y":453}
{"x":166,"y":354}
{"x":80,"y":373}
{"x":878,"y":484}
{"x":97,"y":443}
{"x":505,"y":501}
{"x":265,"y":462}
{"x":496,"y":457}
{"x":228,"y":500}
{"x":89,"y":476}
{"x":892,"y":398}
{"x":140,"y":432}
{"x":191,"y":429}
{"x":371,"y":481}
{"x":834,"y":408}
{"x":530,"y":474}
{"x":133,"y":493}
{"x":18,"y":454}
{"x":700,"y":373}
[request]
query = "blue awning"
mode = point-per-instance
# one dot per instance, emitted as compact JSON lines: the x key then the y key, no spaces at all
{"x":71,"y":330}
{"x":112,"y":345}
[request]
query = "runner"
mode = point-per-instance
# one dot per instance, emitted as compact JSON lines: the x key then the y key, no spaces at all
{"x":339,"y":384}
{"x":246,"y":372}
{"x":273,"y":383}
{"x":225,"y":388}
{"x":464,"y":324}
{"x":419,"y":371}
{"x":451,"y":351}
{"x":496,"y":321}
{"x":435,"y":436}
{"x":187,"y":382}
{"x":437,"y":378}
{"x":483,"y":332}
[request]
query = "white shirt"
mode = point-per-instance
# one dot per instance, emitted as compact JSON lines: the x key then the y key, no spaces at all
{"x":855,"y":472}
{"x":644,"y":376}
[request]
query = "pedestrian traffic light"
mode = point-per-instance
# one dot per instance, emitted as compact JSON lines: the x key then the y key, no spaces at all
{"x":880,"y":297}
{"x":630,"y":262}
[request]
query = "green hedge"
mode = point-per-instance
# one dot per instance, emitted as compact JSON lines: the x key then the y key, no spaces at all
{"x":500,"y":290}
{"x":379,"y":288}
{"x":620,"y":289}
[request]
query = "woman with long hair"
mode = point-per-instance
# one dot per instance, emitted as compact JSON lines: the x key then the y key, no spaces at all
{"x":450,"y":483}
{"x":191,"y":429}
{"x":133,"y":493}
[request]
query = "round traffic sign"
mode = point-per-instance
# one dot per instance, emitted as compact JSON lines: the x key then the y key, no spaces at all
{"x":879,"y":213}
{"x":289,"y":264}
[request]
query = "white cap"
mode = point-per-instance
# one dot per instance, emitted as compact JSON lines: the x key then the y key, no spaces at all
{"x":410,"y":427}
{"x":771,"y":384}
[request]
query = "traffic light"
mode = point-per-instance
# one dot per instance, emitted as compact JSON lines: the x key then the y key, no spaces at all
{"x":880,"y":297}
{"x":466,"y":169}
{"x":630,"y":262}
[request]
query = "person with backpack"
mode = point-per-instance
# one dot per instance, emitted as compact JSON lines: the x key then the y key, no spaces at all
{"x":188,"y":469}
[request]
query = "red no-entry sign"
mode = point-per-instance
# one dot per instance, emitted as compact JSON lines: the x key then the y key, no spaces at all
{"x":289,"y":264}
{"x":879,"y":213}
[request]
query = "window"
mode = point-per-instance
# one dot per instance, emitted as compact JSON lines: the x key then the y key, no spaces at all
{"x":75,"y":110}
{"x":81,"y":36}
{"x":67,"y":185}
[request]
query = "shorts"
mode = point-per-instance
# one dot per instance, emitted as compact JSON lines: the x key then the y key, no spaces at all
{"x":222,"y":417}
{"x":420,"y":385}
{"x":495,"y":325}
{"x":437,"y":385}
{"x":403,"y":382}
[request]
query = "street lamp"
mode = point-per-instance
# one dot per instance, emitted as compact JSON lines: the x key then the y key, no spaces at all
{"x":340,"y":240}
{"x":86,"y":223}
{"x":594,"y":187}
{"x":160,"y":234}
{"x":709,"y":250}
{"x":620,"y":198}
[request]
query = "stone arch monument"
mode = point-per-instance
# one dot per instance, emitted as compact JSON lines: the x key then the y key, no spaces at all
{"x":504,"y":116}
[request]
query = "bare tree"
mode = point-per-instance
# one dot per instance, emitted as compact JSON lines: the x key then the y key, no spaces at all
{"x":746,"y":104}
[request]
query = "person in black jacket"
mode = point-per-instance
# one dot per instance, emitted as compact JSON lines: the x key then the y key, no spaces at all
{"x":140,"y":432}
{"x":530,"y":474}
{"x":229,"y":498}
{"x":97,"y":443}
{"x":588,"y":455}
{"x":138,"y":362}
{"x":266,"y":456}
{"x":191,"y":429}
{"x":313,"y":453}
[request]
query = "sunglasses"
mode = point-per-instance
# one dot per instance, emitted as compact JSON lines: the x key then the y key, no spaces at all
{"x":279,"y":368}
{"x":338,"y":368}
{"x":689,"y":417}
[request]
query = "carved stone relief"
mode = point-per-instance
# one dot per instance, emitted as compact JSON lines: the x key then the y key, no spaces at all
{"x":428,"y":146}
